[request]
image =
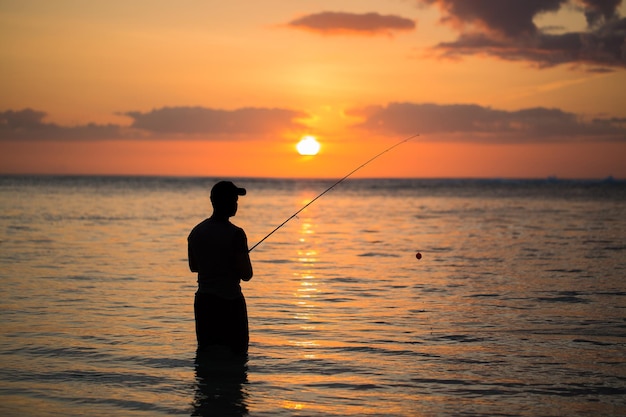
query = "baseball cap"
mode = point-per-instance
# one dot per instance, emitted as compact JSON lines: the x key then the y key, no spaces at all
{"x":226,"y":189}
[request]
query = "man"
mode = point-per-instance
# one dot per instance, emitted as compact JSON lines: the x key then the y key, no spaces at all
{"x":218,"y":252}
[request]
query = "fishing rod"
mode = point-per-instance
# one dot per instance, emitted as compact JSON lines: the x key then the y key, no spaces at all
{"x":330,"y":188}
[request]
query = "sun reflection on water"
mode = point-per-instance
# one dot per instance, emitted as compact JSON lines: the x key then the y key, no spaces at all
{"x":307,"y":257}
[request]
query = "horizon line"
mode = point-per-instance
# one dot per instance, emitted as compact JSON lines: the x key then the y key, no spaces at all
{"x":556,"y":178}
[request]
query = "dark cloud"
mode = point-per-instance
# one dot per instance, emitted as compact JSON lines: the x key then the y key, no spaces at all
{"x":339,"y":22}
{"x":511,"y":18}
{"x":467,"y":122}
{"x":506,"y":29}
{"x":598,"y":10}
{"x":22,"y":119}
{"x":471,"y":122}
{"x":201,"y":120}
{"x":29,"y":124}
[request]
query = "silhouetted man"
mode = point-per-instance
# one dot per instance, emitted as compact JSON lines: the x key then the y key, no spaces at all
{"x":218,"y":252}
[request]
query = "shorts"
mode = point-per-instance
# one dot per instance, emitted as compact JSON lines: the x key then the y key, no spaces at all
{"x":221,"y":322}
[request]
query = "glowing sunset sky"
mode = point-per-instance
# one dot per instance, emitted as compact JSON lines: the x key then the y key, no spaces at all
{"x":516,"y":88}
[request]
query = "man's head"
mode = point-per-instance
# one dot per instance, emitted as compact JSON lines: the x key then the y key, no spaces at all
{"x":224,"y":196}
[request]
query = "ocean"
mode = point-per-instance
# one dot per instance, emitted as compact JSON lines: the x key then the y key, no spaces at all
{"x":516,"y":308}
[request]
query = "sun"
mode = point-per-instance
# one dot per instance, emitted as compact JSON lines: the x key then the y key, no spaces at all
{"x":308,"y":145}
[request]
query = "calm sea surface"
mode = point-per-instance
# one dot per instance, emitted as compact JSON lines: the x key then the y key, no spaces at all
{"x":517,"y":308}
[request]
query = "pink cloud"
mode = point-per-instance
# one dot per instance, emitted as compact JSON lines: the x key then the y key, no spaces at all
{"x":352,"y":23}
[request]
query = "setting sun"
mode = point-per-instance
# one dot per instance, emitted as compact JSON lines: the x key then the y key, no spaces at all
{"x":308,"y":146}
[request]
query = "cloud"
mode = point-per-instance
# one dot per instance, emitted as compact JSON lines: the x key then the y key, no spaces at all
{"x":598,"y":10}
{"x":206,"y":123}
{"x":201,"y":120}
{"x":506,"y":29}
{"x":28,"y":124}
{"x":510,"y":18}
{"x":474,"y":123}
{"x":460,"y":122}
{"x":352,"y":23}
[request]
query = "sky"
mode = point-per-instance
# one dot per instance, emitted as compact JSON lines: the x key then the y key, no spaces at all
{"x":495,"y":89}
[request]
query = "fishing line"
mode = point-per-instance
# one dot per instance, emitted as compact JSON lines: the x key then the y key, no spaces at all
{"x":331,"y":187}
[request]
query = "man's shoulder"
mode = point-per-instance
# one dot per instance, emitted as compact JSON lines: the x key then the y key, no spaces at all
{"x":207,"y":224}
{"x":197,"y":228}
{"x":234,"y":226}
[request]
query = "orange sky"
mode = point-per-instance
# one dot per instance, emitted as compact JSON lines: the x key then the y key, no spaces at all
{"x":496,"y":89}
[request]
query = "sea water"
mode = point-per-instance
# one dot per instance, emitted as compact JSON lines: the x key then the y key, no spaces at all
{"x":517,"y":307}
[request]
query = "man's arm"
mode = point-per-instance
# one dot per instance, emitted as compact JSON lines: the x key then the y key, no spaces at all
{"x":193,"y":266}
{"x":245,"y":266}
{"x":242,"y":257}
